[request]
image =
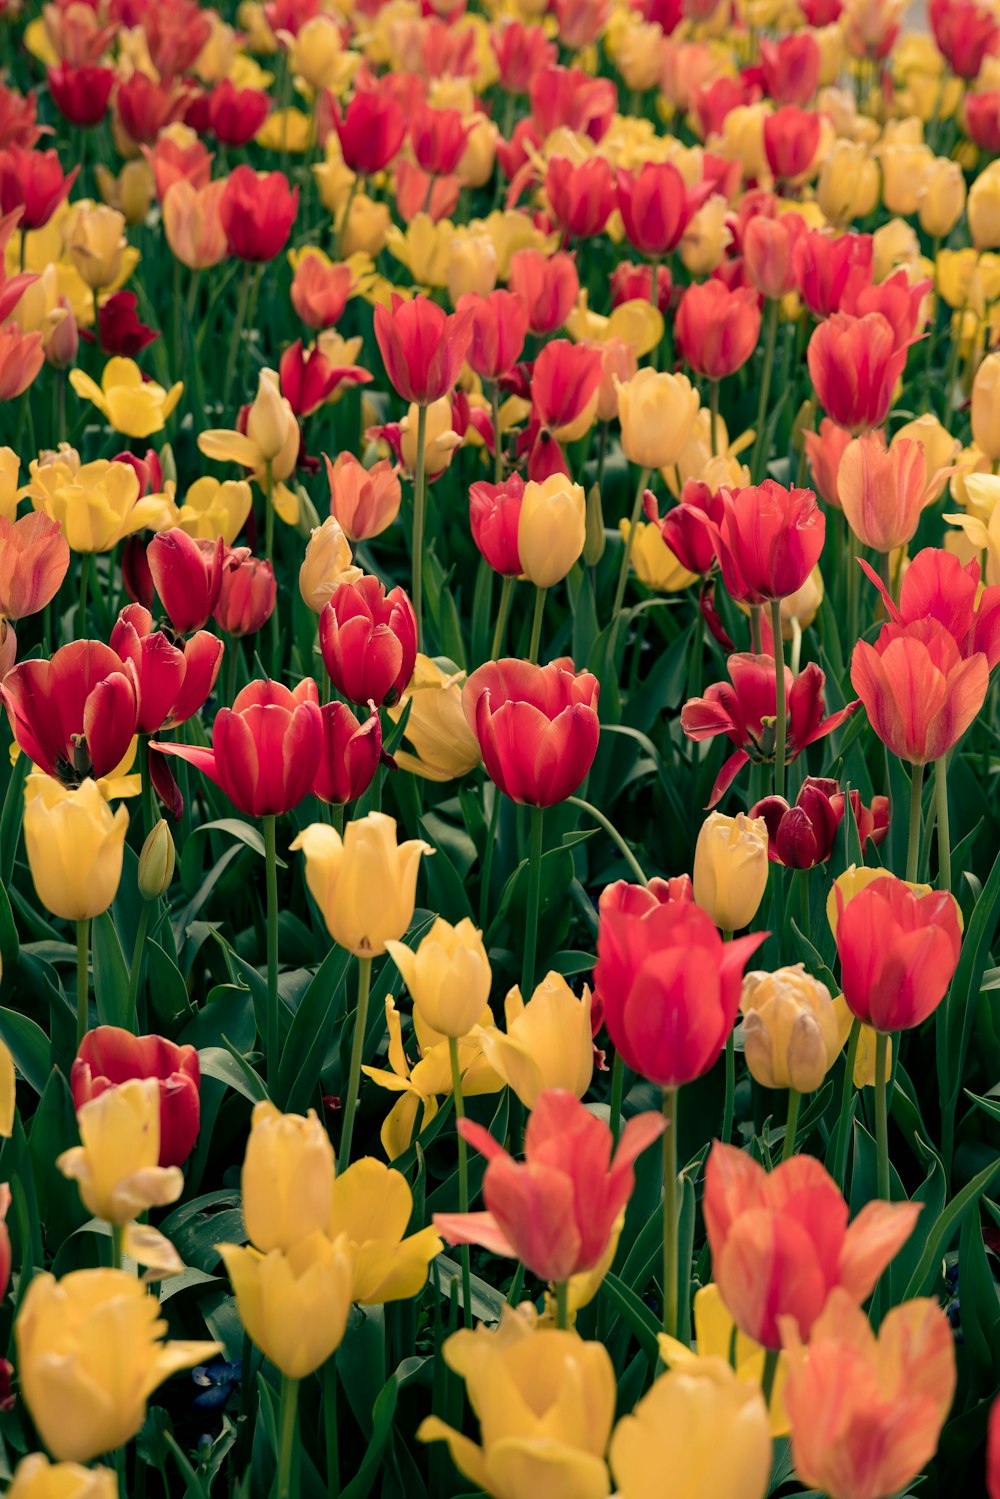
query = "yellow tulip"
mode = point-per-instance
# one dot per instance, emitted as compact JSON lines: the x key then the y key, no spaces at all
{"x":983,"y":208}
{"x":424,"y":248}
{"x":730,"y":868}
{"x":657,"y":413}
{"x":287,"y":1178}
{"x":371,"y":1209}
{"x":864,"y":1057}
{"x":545,"y":1401}
{"x":97,"y":504}
{"x":36,"y":1478}
{"x":848,"y":183}
{"x":986,"y":407}
{"x":983,"y":491}
{"x":635,"y":323}
{"x":286,"y":130}
{"x":130,"y":404}
{"x":327,"y":564}
{"x":271,"y":437}
{"x":214,"y":507}
{"x":904,"y":168}
{"x":293,"y":1303}
{"x":707,"y":237}
{"x":444,"y":746}
{"x":548,"y":1041}
{"x":552,"y":529}
{"x":940,"y":449}
{"x":472,"y":265}
{"x":475,"y":165}
{"x":653,"y":561}
{"x":131,"y":192}
{"x":10,"y":468}
{"x":157,"y":859}
{"x":941,"y":197}
{"x":713,"y":1338}
{"x":116,"y":1168}
{"x":367,"y":227}
{"x":704,"y":1426}
{"x":317,"y":55}
{"x":895,"y":244}
{"x":793,"y":1031}
{"x":448,"y":976}
{"x":334,"y":177}
{"x":96,"y":244}
{"x":365,"y":883}
{"x":74,"y":844}
{"x":89,"y":1354}
{"x":440,"y":441}
{"x":8,"y":1085}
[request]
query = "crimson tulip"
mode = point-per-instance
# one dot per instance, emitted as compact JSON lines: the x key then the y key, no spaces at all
{"x":717,"y":329}
{"x":981,"y":117}
{"x":494,"y":513}
{"x":537,"y":726}
{"x":438,"y":138}
{"x":634,"y":283}
{"x":684,"y":529}
{"x":920,"y":692}
{"x":854,"y":364}
{"x":790,"y":67}
{"x":235,"y":115}
{"x":257,"y":211}
{"x":565,"y":381}
{"x":309,"y":380}
{"x":791,"y":141}
{"x":422,"y":347}
{"x":369,"y":641}
{"x":33,"y":181}
{"x":76,"y":714}
{"x":248,"y":594}
{"x":370,"y":130}
{"x":188,"y":576}
{"x":81,"y":92}
{"x":548,"y":285}
{"x":109,"y":1056}
{"x":120,"y":330}
{"x":803,"y":835}
{"x":657,"y":205}
{"x":966,"y":34}
{"x":826,"y":263}
{"x":521,"y":52}
{"x":499,"y":328}
{"x":174,"y":679}
{"x":768,"y":540}
{"x":898,"y":951}
{"x":145,"y":107}
{"x":581,"y":196}
{"x":350,"y":754}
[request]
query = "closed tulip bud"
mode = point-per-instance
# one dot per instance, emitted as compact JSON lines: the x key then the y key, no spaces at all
{"x":848,"y":185}
{"x":730,"y":868}
{"x":365,"y":883}
{"x":548,"y":1042}
{"x":61,"y":336}
{"x":97,"y":244}
{"x":657,"y":412}
{"x":156,"y":862}
{"x":595,"y":539}
{"x":74,"y":844}
{"x":983,"y":208}
{"x":247,"y":596}
{"x":444,"y":746}
{"x":116,"y":1168}
{"x":89,"y":1355}
{"x":552,"y":529}
{"x":941,"y":198}
{"x":36,"y":1478}
{"x":986,"y":407}
{"x":271,"y":425}
{"x":287,"y":1178}
{"x":449,"y":976}
{"x":793,"y":1031}
{"x":293,"y":1302}
{"x":327,"y":563}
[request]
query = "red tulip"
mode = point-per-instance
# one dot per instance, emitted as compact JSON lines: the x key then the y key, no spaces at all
{"x":537,"y":727}
{"x":174,"y":680}
{"x":564,"y":384}
{"x":898,"y":951}
{"x":854,"y":365}
{"x":34,"y":559}
{"x":81,"y":93}
{"x":320,"y":291}
{"x":581,"y":196}
{"x":248,"y":593}
{"x":656,"y":206}
{"x":34,"y":182}
{"x":937,"y":586}
{"x":824,"y":449}
{"x":790,"y":67}
{"x":146,"y":107}
{"x":555,"y":1211}
{"x":669,"y":985}
{"x":494,"y":514}
{"x":499,"y":328}
{"x":350,"y":754}
{"x":637,"y":900}
{"x":920,"y":693}
{"x":898,"y":299}
{"x":137,"y":580}
{"x":993,"y":1451}
{"x":521,"y":52}
{"x":791,"y":142}
{"x":422,"y":347}
{"x":369,"y":641}
{"x":548,"y":285}
{"x":236,"y":114}
{"x":684,"y":530}
{"x":438,"y":138}
{"x":18,"y":122}
{"x":74,"y":715}
{"x":265,"y":748}
{"x":257,"y":211}
{"x":109,"y":1056}
{"x":745,"y":712}
{"x":781,"y":1242}
{"x":6,"y":1260}
{"x":572,"y":98}
{"x":717,"y":329}
{"x":965,"y":33}
{"x":172,"y":162}
{"x":371,"y":130}
{"x":826,"y":263}
{"x":711,"y":103}
{"x":634,"y":283}
{"x":981,"y":117}
{"x":803,"y":836}
{"x":187,"y":575}
{"x":768,"y":540}
{"x":120,"y":330}
{"x":418,"y":192}
{"x":768,"y":253}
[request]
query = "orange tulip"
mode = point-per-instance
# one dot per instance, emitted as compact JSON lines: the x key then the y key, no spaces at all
{"x":883,"y":491}
{"x":920,"y":693}
{"x":192,"y":223}
{"x":34,"y":558}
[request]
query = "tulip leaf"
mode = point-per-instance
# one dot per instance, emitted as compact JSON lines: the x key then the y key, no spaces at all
{"x":53,"y":1130}
{"x":111,"y":973}
{"x":955,"y":1015}
{"x":29,"y":1046}
{"x":9,"y":946}
{"x":10,"y":817}
{"x":309,"y":1033}
{"x":230,"y":1068}
{"x":944,"y":1229}
{"x":167,"y":990}
{"x":383,"y":1411}
{"x":635,"y":1312}
{"x":487,"y":1302}
{"x":243,"y":832}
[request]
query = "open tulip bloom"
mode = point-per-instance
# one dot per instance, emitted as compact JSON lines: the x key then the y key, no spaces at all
{"x":499,"y":624}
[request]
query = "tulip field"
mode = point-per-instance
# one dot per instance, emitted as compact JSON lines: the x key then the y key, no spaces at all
{"x":500,"y":766}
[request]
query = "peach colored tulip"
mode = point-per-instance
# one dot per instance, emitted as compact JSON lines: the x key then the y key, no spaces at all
{"x":365,"y":501}
{"x":34,"y":558}
{"x":192,"y":223}
{"x":919,"y":691}
{"x":824,"y":449}
{"x":883,"y":491}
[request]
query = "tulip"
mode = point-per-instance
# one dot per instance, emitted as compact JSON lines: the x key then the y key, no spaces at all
{"x":350,"y":756}
{"x":547,"y":285}
{"x":793,"y":1031}
{"x":257,"y":211}
{"x":556,"y":1211}
{"x":565,"y":382}
{"x":364,"y":883}
{"x":898,"y":952}
{"x":145,"y":106}
{"x":983,"y":209}
{"x":438,"y":138}
{"x":365,"y":501}
{"x":110,"y":1057}
{"x":630,"y":282}
{"x":546,"y":1404}
{"x":717,"y":329}
{"x":34,"y":182}
{"x":730,"y":869}
{"x":768,"y":540}
{"x":448,"y":977}
{"x":121,"y":332}
{"x":116,"y":1167}
{"x":174,"y":680}
{"x":36,"y":1478}
{"x":75,"y":714}
{"x":287,"y":1180}
{"x":684,"y":531}
{"x":89,"y":1355}
{"x":97,"y":504}
{"x":657,"y":413}
{"x":551,"y":529}
{"x":372,"y":1206}
{"x":802,"y":836}
{"x":320,"y":288}
{"x":854,"y":366}
{"x":440,"y":440}
{"x":187,"y":574}
{"x":422,"y":347}
{"x":936,"y":585}
{"x":235,"y":115}
{"x":369,"y":641}
{"x":326,"y":565}
{"x":825,"y":264}
{"x":883,"y":491}
{"x":581,"y":197}
{"x":310,"y":380}
{"x":247,"y":596}
{"x":711,"y":1429}
{"x":34,"y":560}
{"x":993,"y":1451}
{"x":941,"y":198}
{"x":444,"y":745}
{"x":293,"y":1303}
{"x":537,"y":727}
{"x":81,"y":93}
{"x":848,"y":184}
{"x":919,"y":691}
{"x":495,"y":516}
{"x":965,"y":35}
{"x":656,"y":206}
{"x":986,"y":407}
{"x":521,"y":51}
{"x":768,"y":246}
{"x":652,"y":561}
{"x":179,"y":156}
{"x":21,"y":357}
{"x":499,"y":328}
{"x":716,"y":1336}
{"x":97,"y":244}
{"x":781,"y":1242}
{"x":825,"y":449}
{"x":867,"y":1410}
{"x":547,"y":1044}
{"x":192,"y":222}
{"x":157,"y":859}
{"x":371,"y":130}
{"x":472,"y":268}
{"x":128,"y":403}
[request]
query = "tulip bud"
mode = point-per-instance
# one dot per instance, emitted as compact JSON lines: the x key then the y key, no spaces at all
{"x":248,"y":594}
{"x":730,"y":868}
{"x":552,"y":529}
{"x":983,"y":208}
{"x":595,"y":539}
{"x":327,"y":563}
{"x":941,"y":197}
{"x":272,"y":426}
{"x":449,"y":976}
{"x":986,"y":407}
{"x":793,"y":1031}
{"x":61,"y":339}
{"x":156,"y":862}
{"x":287,"y":1178}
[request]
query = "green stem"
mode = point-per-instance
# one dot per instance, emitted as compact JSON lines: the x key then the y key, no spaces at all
{"x":760,"y":444}
{"x":882,"y":1114}
{"x":536,"y":624}
{"x":286,"y":1435}
{"x":713,"y":416}
{"x":506,"y":594}
{"x":670,"y":1213}
{"x":419,"y":497}
{"x":117,"y":1245}
{"x":330,"y":1441}
{"x":729,"y":1101}
{"x":273,"y":627}
{"x":627,"y":552}
{"x":494,"y":390}
{"x":135,"y":971}
{"x":357,"y":1049}
{"x":237,"y":333}
{"x":82,"y":979}
{"x":617,"y":1093}
{"x":487,"y":872}
{"x":86,"y":563}
{"x":794,"y":1103}
{"x":562,"y":1305}
{"x":770,"y":1369}
{"x":913,"y":840}
{"x":148,"y":805}
{"x":534,"y":894}
{"x":943,"y":828}
{"x":463,"y":1175}
{"x":847,"y":1093}
{"x":613,"y":834}
{"x":271,"y":867}
{"x":779,"y":699}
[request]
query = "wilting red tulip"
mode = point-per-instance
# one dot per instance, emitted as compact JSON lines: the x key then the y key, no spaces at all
{"x":803,"y":836}
{"x":768,"y":540}
{"x":537,"y":727}
{"x":898,"y":951}
{"x":745,"y":713}
{"x":656,"y":206}
{"x":248,"y":593}
{"x":257,"y":211}
{"x":34,"y":559}
{"x":790,"y":67}
{"x":81,"y":93}
{"x":109,"y":1056}
{"x":370,"y":130}
{"x":854,"y":366}
{"x":556,"y":1210}
{"x":824,"y":449}
{"x":781,"y":1242}
{"x":564,"y":384}
{"x":791,"y":142}
{"x":937,"y":586}
{"x":145,"y":107}
{"x":320,"y":291}
{"x":120,"y":330}
{"x":438,"y":138}
{"x":581,"y":196}
{"x":172,"y":162}
{"x":187,"y":575}
{"x":422,"y":347}
{"x":981,"y":117}
{"x":74,"y":715}
{"x":965,"y":33}
{"x":919,"y":691}
{"x":684,"y":530}
{"x":548,"y":285}
{"x":670,"y":986}
{"x":365,"y":501}
{"x":21,"y":357}
{"x":634,"y":283}
{"x":499,"y":328}
{"x":236,"y":114}
{"x":174,"y":680}
{"x":369,"y":641}
{"x":309,"y":380}
{"x":494,"y":514}
{"x":350,"y":754}
{"x":768,"y":253}
{"x":521,"y":52}
{"x":826,"y":263}
{"x":34,"y":182}
{"x":717,"y":329}
{"x":265,"y":749}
